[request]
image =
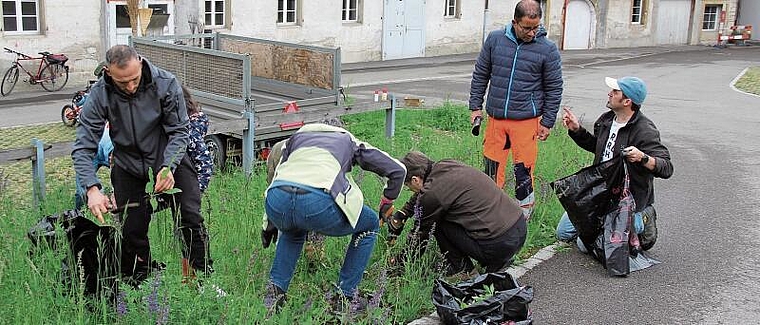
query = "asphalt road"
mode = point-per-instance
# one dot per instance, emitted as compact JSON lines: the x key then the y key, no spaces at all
{"x":709,"y":236}
{"x":709,"y":233}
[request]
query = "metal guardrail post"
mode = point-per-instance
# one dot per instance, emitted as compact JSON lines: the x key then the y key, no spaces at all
{"x":248,"y":133}
{"x":38,"y":172}
{"x":390,"y":118}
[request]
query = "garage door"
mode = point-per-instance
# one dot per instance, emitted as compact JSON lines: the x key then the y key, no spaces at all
{"x":673,"y":21}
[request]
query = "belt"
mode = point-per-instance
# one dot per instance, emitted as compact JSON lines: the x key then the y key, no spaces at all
{"x":293,"y":189}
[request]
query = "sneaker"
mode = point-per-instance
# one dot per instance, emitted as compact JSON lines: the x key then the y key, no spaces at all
{"x":526,"y":205}
{"x":220,"y":293}
{"x":341,"y":304}
{"x":274,"y":299}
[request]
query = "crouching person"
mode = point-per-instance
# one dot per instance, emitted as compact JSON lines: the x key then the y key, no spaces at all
{"x":470,"y":217}
{"x":312,"y":190}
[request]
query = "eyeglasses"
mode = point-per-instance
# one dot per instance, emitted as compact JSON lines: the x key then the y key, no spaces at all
{"x":529,"y":29}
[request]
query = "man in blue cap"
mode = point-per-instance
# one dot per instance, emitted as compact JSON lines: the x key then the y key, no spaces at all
{"x":624,"y":127}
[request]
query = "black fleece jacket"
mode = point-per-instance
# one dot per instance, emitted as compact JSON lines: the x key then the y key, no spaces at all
{"x":639,"y":132}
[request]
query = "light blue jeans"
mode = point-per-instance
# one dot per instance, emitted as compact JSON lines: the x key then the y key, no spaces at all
{"x":295,"y":214}
{"x":566,"y":232}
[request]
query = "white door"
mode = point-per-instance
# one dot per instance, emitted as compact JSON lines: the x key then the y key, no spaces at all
{"x":578,"y":24}
{"x":403,"y":29}
{"x":119,"y":29}
{"x":673,"y":21}
{"x":118,"y":26}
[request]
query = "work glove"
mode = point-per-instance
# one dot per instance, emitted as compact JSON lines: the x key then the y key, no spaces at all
{"x":386,"y":209}
{"x":268,"y":235}
{"x":638,"y":223}
{"x":395,"y":225}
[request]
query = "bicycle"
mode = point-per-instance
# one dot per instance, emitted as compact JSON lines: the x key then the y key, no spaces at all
{"x":52,"y":73}
{"x":70,"y":112}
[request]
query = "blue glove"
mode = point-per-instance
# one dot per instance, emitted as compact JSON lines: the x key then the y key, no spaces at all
{"x":638,"y":222}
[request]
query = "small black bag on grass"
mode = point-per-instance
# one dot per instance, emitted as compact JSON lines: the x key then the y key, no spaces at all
{"x":472,"y":302}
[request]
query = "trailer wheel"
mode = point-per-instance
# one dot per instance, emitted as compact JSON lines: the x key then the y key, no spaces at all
{"x":217,"y":149}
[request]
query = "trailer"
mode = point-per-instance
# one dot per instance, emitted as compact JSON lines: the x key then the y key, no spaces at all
{"x":256,"y":91}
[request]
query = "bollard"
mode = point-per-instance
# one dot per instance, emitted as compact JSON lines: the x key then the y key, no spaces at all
{"x":390,"y":118}
{"x":38,"y":172}
{"x":248,"y":142}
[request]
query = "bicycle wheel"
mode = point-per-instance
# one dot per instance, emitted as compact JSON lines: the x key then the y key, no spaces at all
{"x":68,"y":115}
{"x":54,"y":76}
{"x":9,"y":80}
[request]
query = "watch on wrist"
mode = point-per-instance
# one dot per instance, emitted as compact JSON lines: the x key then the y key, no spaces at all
{"x":644,"y":159}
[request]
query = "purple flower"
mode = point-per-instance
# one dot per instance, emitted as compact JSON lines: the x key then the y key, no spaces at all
{"x":121,"y":303}
{"x":355,"y":305}
{"x":377,"y":297}
{"x":152,"y":298}
{"x":163,"y":314}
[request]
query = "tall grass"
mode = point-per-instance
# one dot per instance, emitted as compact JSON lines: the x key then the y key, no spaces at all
{"x":233,"y":207}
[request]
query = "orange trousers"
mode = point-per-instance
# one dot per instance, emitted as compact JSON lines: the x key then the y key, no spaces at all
{"x":520,"y":136}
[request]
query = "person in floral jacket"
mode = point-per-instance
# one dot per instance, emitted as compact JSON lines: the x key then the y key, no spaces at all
{"x":196,"y":148}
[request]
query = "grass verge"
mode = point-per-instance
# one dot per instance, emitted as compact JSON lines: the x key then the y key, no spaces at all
{"x":750,"y":81}
{"x":233,"y":207}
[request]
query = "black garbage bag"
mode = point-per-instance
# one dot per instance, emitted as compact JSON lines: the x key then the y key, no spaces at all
{"x":93,"y":250}
{"x":43,"y":233}
{"x":508,"y":303}
{"x":588,"y":195}
{"x":618,"y":242}
{"x":95,"y":253}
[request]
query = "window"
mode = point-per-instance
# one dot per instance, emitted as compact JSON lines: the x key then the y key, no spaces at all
{"x":710,"y":18}
{"x":636,"y":12}
{"x":21,"y":16}
{"x":452,"y":9}
{"x":351,"y":11}
{"x":287,"y":11}
{"x":213,"y":13}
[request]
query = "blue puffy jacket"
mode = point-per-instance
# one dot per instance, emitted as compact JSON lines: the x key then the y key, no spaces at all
{"x":526,"y":78}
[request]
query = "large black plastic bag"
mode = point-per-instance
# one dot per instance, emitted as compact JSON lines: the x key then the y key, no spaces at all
{"x":509,"y":302}
{"x":93,"y":249}
{"x":588,"y":195}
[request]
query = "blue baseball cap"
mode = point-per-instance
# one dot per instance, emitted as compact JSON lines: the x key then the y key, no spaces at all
{"x":632,"y":87}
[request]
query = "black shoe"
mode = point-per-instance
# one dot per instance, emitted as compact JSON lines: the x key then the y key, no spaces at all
{"x":451,"y":270}
{"x":274,"y":299}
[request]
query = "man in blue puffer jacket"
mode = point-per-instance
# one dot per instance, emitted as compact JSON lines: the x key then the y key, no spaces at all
{"x":525,"y":74}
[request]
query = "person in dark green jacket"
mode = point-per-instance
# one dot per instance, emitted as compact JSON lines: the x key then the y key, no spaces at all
{"x":469,"y":216}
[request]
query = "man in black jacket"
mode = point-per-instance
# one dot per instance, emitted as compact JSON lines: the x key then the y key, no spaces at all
{"x":149,"y":129}
{"x":624,"y":130}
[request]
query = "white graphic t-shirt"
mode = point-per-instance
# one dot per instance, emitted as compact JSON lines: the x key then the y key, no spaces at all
{"x":610,"y":146}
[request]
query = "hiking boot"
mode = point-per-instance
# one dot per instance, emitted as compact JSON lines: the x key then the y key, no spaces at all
{"x":274,"y":299}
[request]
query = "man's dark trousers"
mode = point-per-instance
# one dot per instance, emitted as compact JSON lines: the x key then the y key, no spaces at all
{"x":135,"y":246}
{"x":494,"y":254}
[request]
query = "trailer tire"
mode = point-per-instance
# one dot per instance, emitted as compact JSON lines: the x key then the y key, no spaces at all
{"x":217,"y":149}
